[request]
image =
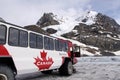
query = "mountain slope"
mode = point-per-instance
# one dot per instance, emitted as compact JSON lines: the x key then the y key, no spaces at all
{"x":90,"y":28}
{"x":36,"y":29}
{"x":65,"y":24}
{"x":104,"y":33}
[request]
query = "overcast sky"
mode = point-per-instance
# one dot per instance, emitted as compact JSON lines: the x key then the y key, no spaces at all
{"x":25,"y":12}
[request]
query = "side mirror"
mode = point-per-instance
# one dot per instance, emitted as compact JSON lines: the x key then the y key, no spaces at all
{"x":76,"y":51}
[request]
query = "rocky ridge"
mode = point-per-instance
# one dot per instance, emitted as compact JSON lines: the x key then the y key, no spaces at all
{"x":104,"y":33}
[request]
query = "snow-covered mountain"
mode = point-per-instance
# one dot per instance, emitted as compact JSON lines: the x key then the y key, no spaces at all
{"x":90,"y":28}
{"x":65,"y":24}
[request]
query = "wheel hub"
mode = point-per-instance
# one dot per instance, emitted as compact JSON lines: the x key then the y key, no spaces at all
{"x":70,"y":68}
{"x":3,"y":77}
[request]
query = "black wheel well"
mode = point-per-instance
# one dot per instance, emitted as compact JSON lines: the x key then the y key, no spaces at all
{"x":9,"y":62}
{"x":67,"y":59}
{"x":63,"y":70}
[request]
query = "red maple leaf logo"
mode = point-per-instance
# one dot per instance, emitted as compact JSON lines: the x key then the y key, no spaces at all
{"x":43,"y":63}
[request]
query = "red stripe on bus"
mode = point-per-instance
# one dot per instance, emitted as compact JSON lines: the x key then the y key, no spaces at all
{"x":3,"y":51}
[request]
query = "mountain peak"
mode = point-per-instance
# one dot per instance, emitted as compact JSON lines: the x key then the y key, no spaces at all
{"x":47,"y":19}
{"x":88,"y":17}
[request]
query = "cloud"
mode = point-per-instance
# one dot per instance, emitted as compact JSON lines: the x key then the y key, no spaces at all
{"x":25,"y":12}
{"x":108,"y":7}
{"x":105,"y":5}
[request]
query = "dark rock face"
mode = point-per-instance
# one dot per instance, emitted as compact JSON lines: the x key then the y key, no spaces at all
{"x":51,"y":31}
{"x":107,"y":23}
{"x":46,"y":20}
{"x":107,"y":54}
{"x":103,"y":34}
{"x":36,"y":29}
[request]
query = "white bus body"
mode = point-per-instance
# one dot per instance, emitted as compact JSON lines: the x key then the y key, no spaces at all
{"x":23,"y":51}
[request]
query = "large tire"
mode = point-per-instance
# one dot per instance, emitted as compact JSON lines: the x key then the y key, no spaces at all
{"x":66,"y":68}
{"x":6,"y":73}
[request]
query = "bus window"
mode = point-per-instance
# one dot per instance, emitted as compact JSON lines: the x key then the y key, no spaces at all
{"x":56,"y":45}
{"x":64,"y":46}
{"x":18,"y":37}
{"x":60,"y":45}
{"x":33,"y":41}
{"x":51,"y":44}
{"x":36,"y":41}
{"x":48,"y":43}
{"x":23,"y":39}
{"x":13,"y":37}
{"x":39,"y":41}
{"x":2,"y":34}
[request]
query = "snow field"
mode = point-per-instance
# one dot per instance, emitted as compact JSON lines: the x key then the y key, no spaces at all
{"x":88,"y":68}
{"x":97,"y":71}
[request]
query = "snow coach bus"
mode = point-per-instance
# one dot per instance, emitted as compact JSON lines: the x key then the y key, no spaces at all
{"x":23,"y":51}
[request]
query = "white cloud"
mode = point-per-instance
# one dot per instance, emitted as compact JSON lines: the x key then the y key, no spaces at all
{"x":24,"y":12}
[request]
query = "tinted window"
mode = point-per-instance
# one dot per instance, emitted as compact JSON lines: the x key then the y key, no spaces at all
{"x":33,"y":40}
{"x":48,"y":43}
{"x":2,"y":34}
{"x":36,"y":41}
{"x":18,"y":37}
{"x":64,"y":46}
{"x":23,"y":39}
{"x":13,"y":37}
{"x":56,"y":45}
{"x":60,"y":45}
{"x":39,"y":42}
{"x":51,"y":41}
